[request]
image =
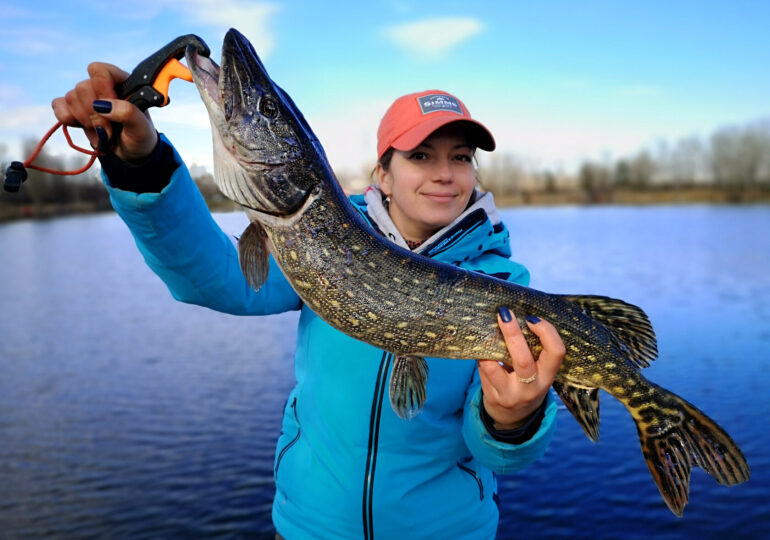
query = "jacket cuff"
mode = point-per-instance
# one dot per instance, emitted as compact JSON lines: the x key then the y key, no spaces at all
{"x":150,"y":212}
{"x":518,"y":435}
{"x":149,"y":176}
{"x":502,"y":457}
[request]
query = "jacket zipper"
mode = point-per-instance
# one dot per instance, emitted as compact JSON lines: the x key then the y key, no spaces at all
{"x":380,"y":389}
{"x":291,"y":442}
{"x":476,"y":477}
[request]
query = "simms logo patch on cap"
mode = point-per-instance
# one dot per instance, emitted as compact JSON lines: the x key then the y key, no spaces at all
{"x":439,"y":102}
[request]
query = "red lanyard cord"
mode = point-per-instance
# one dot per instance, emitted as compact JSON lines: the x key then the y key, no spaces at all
{"x":93,"y":153}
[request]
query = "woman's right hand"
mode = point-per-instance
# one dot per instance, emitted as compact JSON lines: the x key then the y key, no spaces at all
{"x":138,"y":137}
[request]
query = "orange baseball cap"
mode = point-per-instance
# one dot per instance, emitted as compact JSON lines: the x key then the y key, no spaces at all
{"x":411,"y":118}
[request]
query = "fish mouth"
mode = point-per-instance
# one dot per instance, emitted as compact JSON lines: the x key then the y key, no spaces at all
{"x":234,"y":85}
{"x":205,"y":74}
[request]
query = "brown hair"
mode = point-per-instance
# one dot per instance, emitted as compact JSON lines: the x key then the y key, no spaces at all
{"x":386,"y":158}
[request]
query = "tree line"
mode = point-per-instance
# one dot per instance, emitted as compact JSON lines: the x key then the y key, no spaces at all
{"x":46,"y":194}
{"x":733,"y":161}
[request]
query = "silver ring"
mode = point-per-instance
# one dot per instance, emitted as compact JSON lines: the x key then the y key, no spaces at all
{"x":528,"y":379}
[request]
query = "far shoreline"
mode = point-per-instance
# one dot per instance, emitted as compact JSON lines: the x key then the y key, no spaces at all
{"x":663,"y":196}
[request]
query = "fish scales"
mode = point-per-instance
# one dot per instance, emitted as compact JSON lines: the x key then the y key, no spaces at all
{"x":268,"y":160}
{"x":407,"y":294}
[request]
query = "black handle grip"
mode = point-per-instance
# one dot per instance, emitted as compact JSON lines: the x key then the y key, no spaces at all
{"x":147,"y":97}
{"x":145,"y":73}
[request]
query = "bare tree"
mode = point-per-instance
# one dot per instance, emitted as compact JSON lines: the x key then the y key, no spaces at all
{"x":688,"y":162}
{"x":739,"y":155}
{"x":622,"y":174}
{"x":503,"y":174}
{"x":642,"y":170}
{"x":595,"y":181}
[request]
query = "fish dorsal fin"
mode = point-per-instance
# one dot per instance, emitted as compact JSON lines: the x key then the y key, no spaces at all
{"x":408,"y":379}
{"x":583,"y":403}
{"x":629,"y":326}
{"x":254,"y":255}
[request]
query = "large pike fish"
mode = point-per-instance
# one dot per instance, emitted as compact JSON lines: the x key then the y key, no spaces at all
{"x":268,"y":160}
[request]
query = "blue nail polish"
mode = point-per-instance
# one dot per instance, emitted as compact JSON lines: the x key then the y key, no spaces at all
{"x":104,"y":141}
{"x":533,"y":319}
{"x":505,"y":314}
{"x":102,"y":107}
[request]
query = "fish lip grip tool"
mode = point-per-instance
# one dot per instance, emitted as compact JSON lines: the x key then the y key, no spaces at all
{"x":147,"y":86}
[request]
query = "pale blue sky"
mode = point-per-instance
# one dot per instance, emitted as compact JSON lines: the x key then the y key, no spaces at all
{"x":555,"y":81}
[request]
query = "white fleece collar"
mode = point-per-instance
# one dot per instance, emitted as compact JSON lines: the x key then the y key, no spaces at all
{"x":379,"y":214}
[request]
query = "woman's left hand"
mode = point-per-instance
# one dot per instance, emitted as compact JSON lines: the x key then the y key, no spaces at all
{"x":511,"y":396}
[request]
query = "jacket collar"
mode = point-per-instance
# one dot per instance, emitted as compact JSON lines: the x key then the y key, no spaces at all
{"x":478,"y":229}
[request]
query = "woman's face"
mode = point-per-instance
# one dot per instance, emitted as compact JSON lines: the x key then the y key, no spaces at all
{"x":430,"y":185}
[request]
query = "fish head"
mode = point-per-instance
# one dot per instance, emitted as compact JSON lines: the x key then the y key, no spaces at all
{"x":266,"y":157}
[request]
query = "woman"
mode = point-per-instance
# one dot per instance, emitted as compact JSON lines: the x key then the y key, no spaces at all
{"x":346,"y":466}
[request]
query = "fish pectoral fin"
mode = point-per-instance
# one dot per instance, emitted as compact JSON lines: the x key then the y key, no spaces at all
{"x":629,"y":325}
{"x":583,"y":403}
{"x":254,"y":255}
{"x":408,"y":380}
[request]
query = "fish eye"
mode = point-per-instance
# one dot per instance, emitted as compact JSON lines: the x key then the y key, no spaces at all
{"x":268,"y":107}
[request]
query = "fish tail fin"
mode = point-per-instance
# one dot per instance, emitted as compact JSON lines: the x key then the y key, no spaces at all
{"x":675,"y":436}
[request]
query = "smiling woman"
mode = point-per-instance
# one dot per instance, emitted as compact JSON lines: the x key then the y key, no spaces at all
{"x":426,"y":145}
{"x":429,"y":186}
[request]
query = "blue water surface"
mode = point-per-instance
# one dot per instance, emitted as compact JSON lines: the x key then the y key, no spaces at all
{"x":125,"y":414}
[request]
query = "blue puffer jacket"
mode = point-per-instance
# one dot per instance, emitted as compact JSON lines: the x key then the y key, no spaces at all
{"x":346,"y":466}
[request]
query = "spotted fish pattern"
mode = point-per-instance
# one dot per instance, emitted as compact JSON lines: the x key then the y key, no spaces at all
{"x":416,"y":307}
{"x":268,"y":160}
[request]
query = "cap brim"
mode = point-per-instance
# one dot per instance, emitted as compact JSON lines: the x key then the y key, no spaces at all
{"x":479,"y":136}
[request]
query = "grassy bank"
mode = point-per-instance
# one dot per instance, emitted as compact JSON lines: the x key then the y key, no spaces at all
{"x":653,"y":196}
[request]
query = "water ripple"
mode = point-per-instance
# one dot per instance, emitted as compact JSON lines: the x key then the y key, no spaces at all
{"x":124,"y":414}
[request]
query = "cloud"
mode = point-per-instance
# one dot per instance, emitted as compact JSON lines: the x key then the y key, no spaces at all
{"x":36,"y":41}
{"x":10,"y":93}
{"x":22,"y":124}
{"x":11,"y":10}
{"x":433,"y":38}
{"x":625,"y":90}
{"x":548,"y":142}
{"x":186,"y":123}
{"x":576,"y":83}
{"x":349,"y":135}
{"x":26,"y":116}
{"x":191,"y":115}
{"x":640,"y":90}
{"x":252,"y":19}
{"x":401,"y":6}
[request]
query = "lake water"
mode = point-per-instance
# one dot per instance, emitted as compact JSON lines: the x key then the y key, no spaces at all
{"x":124,"y":414}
